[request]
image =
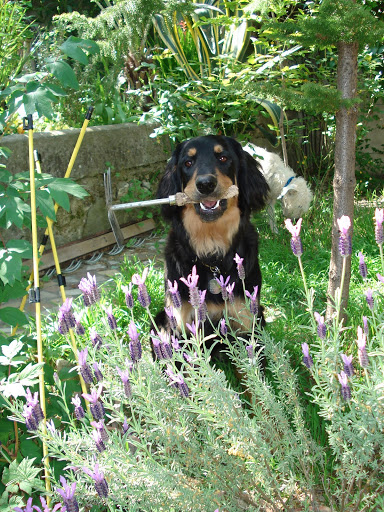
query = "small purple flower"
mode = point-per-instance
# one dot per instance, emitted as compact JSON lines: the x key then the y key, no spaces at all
{"x":345,"y":388}
{"x":79,"y":411}
{"x":187,"y":358}
{"x":79,"y":328}
{"x":365,"y":324}
{"x":161,"y":345}
{"x":202,"y":310}
{"x":134,"y":346}
{"x":178,"y":381}
{"x":380,"y":278}
{"x":124,"y":376}
{"x":28,"y":507}
{"x":175,"y":294}
{"x":379,"y":219}
{"x":231,"y":296}
{"x":171,"y":318}
{"x":345,"y":243}
{"x":254,"y":301}
{"x":175,"y":343}
{"x":223,"y":285}
{"x":30,"y":420}
{"x":296,"y":245}
{"x":307,"y":359}
{"x":96,"y":370}
{"x":88,"y":286}
{"x":240,"y":267}
{"x":369,"y":297}
{"x":111,"y":318}
{"x":250,"y":351}
{"x":125,"y":426}
{"x":362,"y":351}
{"x":127,"y":290}
{"x":143,"y":296}
{"x":362,"y":266}
{"x":96,"y":407}
{"x":99,"y":425}
{"x":321,"y":327}
{"x":348,"y":368}
{"x":223,"y":327}
{"x":101,"y":485}
{"x":191,"y":283}
{"x":66,"y":319}
{"x":68,"y":495}
{"x":96,"y":436}
{"x":33,"y":402}
{"x":193,"y":328}
{"x":96,"y":339}
{"x":85,"y":369}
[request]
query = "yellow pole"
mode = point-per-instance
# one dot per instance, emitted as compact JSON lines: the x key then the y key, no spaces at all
{"x":67,"y":175}
{"x":35,"y":293}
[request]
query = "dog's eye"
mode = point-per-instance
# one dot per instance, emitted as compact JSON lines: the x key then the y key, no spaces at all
{"x":223,"y":158}
{"x":188,"y":163}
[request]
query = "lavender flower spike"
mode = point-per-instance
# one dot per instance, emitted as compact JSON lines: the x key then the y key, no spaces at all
{"x":296,"y":245}
{"x":379,"y":219}
{"x":345,"y":389}
{"x":79,"y":411}
{"x":28,"y":508}
{"x":362,"y":266}
{"x":307,"y":359}
{"x":91,"y":293}
{"x":348,"y":368}
{"x":321,"y":327}
{"x":191,"y":283}
{"x":111,"y":318}
{"x":345,"y":243}
{"x":101,"y":485}
{"x":85,"y":369}
{"x":66,"y":319}
{"x":96,"y":407}
{"x":143,"y":297}
{"x":240,"y":266}
{"x":362,"y":351}
{"x":96,"y":436}
{"x":369,"y":296}
{"x":124,"y":376}
{"x":68,"y":495}
{"x":254,"y":303}
{"x":175,"y":294}
{"x":127,"y":290}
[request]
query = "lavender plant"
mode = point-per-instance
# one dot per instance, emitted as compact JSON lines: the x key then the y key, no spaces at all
{"x":172,"y":434}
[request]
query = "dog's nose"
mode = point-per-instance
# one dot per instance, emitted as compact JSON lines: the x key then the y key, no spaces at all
{"x":206,"y":184}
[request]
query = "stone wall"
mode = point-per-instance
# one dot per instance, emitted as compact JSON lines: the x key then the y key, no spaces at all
{"x":126,"y":148}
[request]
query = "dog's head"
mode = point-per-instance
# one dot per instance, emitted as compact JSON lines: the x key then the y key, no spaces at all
{"x":204,"y":168}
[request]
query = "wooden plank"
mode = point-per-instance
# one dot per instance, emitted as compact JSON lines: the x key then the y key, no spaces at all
{"x":83,"y":247}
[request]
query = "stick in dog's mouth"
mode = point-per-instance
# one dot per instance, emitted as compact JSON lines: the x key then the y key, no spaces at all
{"x":181,"y":199}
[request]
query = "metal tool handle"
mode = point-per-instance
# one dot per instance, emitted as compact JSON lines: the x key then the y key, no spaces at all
{"x":138,"y":204}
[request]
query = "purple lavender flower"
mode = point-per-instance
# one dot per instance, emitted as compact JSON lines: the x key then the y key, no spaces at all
{"x":254,"y":302}
{"x":193,"y":328}
{"x":307,"y":359}
{"x":175,"y":294}
{"x":161,"y":345}
{"x":369,"y":296}
{"x":380,"y":278}
{"x":362,"y":350}
{"x":33,"y":402}
{"x":362,"y":266}
{"x":96,"y":370}
{"x":111,"y":318}
{"x":66,"y":319}
{"x":125,"y":426}
{"x":88,"y":286}
{"x":143,"y":296}
{"x":30,"y":421}
{"x":223,"y":285}
{"x":296,"y":245}
{"x":348,"y":368}
{"x":345,"y":243}
{"x":99,"y":425}
{"x":202,"y":310}
{"x":178,"y":381}
{"x":124,"y":376}
{"x":191,"y":283}
{"x":223,"y":327}
{"x":79,"y":328}
{"x":96,"y":436}
{"x":345,"y":388}
{"x":187,"y":358}
{"x":240,"y":267}
{"x":171,"y":318}
{"x":96,"y":407}
{"x":365,"y":324}
{"x":85,"y":369}
{"x":68,"y":495}
{"x":175,"y":343}
{"x":28,"y":507}
{"x":231,"y":296}
{"x":96,"y":339}
{"x":79,"y":411}
{"x":128,"y":295}
{"x":134,"y":345}
{"x":101,"y":485}
{"x":321,"y":327}
{"x":250,"y":351}
{"x":379,"y":219}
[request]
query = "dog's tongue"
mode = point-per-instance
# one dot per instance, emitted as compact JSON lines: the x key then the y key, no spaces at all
{"x":209,"y":204}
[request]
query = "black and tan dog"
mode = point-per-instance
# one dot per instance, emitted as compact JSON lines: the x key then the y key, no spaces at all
{"x":213,"y":228}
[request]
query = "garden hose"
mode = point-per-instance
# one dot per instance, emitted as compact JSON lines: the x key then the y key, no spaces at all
{"x":67,"y":175}
{"x":34,"y":294}
{"x":60,"y":278}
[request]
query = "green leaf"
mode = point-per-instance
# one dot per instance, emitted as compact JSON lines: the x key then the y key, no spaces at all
{"x":10,"y":267}
{"x":39,"y":99}
{"x":69,"y":186}
{"x":13,"y":316}
{"x":22,"y":247}
{"x":44,"y":201}
{"x":15,"y":210}
{"x":64,"y":73}
{"x":74,"y":47}
{"x":61,"y":198}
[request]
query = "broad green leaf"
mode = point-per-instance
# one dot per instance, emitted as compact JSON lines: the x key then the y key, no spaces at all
{"x":11,"y":350}
{"x":39,"y":99}
{"x":55,"y":89}
{"x":13,"y":316}
{"x":10,"y":267}
{"x":68,"y":186}
{"x":61,"y":198}
{"x":64,"y":73}
{"x":23,"y":247}
{"x":45,"y":204}
{"x":30,"y":373}
{"x":15,"y":210}
{"x":74,"y":47}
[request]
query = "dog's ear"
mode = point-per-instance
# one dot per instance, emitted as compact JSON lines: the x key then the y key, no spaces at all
{"x":170,"y":183}
{"x":253,"y":188}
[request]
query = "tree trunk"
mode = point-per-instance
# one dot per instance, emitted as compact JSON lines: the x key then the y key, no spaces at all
{"x":344,"y":179}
